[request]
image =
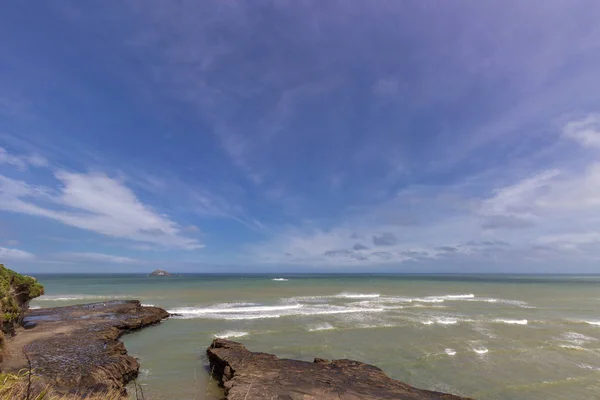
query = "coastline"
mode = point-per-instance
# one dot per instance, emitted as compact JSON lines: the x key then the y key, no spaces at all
{"x":76,"y":350}
{"x":447,"y":335}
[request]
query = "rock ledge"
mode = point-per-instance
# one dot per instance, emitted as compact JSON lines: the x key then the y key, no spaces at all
{"x":247,"y":375}
{"x":76,"y":348}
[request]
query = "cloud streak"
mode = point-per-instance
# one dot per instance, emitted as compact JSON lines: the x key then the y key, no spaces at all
{"x":9,"y":254}
{"x":94,"y":202}
{"x":94,"y":258}
{"x":21,"y":162}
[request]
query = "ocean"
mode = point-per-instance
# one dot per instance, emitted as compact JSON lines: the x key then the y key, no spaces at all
{"x":500,"y":337}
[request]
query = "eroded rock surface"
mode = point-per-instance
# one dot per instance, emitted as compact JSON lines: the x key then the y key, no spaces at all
{"x":247,"y":375}
{"x":76,"y":348}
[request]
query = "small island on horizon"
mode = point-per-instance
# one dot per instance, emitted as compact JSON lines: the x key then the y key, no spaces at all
{"x":160,"y":272}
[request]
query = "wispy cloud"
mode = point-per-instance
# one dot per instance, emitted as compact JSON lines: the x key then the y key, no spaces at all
{"x":9,"y":254}
{"x":194,"y":198}
{"x":94,"y":258}
{"x":22,"y":162}
{"x":94,"y":202}
{"x":585,"y":131}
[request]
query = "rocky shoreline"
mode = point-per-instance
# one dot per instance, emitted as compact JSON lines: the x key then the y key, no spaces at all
{"x":75,"y":349}
{"x":247,"y":375}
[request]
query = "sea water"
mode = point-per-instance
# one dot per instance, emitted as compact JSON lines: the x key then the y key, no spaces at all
{"x":516,"y":337}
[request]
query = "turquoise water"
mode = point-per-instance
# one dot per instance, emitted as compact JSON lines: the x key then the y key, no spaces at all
{"x":489,"y":337}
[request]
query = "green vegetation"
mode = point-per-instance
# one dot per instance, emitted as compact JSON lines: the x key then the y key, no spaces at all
{"x":15,"y":292}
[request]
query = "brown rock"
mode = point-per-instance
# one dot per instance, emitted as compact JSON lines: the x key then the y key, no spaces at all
{"x":247,"y":375}
{"x":76,"y":348}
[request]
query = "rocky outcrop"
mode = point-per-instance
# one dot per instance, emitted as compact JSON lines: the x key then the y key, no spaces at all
{"x":76,"y":348}
{"x":247,"y":375}
{"x":160,"y":272}
{"x":16,"y":291}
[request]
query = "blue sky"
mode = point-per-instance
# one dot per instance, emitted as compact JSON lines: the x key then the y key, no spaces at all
{"x":317,"y":136}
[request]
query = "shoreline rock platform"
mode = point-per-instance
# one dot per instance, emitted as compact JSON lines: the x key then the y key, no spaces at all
{"x":247,"y":375}
{"x":76,"y":349}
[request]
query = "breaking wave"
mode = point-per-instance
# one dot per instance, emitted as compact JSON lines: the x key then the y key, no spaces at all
{"x":357,"y":296}
{"x":230,"y":334}
{"x":321,"y":327}
{"x":252,"y":312}
{"x":512,"y":321}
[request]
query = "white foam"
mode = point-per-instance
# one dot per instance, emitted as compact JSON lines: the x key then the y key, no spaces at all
{"x":341,"y":311}
{"x":148,"y":305}
{"x":442,"y":298}
{"x":597,"y":323}
{"x":182,"y":314}
{"x":512,"y":321}
{"x":441,"y":321}
{"x":450,"y":352}
{"x":322,"y":327}
{"x":517,"y":303}
{"x":240,"y":313}
{"x":280,"y":279}
{"x":230,"y":334}
{"x":234,"y":313}
{"x":234,"y":310}
{"x":572,"y":347}
{"x":457,"y":296}
{"x":357,"y":295}
{"x":446,"y":321}
{"x":34,"y":307}
{"x":482,"y":350}
{"x":428,"y":300}
{"x":587,"y":366}
{"x":577,"y":338}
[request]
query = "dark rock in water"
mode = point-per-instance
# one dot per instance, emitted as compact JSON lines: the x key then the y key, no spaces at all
{"x":246,"y":375}
{"x":76,"y":348}
{"x":160,"y":272}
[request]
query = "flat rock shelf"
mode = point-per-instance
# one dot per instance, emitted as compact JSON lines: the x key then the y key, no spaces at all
{"x":76,"y":348}
{"x":247,"y":375}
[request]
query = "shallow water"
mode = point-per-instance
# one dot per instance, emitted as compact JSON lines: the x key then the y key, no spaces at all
{"x":489,"y":337}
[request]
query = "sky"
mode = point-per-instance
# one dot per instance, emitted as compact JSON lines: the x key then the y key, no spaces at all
{"x":300,"y":136}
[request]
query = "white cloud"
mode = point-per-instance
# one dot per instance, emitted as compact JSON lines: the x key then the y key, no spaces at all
{"x":97,"y":203}
{"x":95,"y":257}
{"x":514,"y":206}
{"x":586,"y":131}
{"x":14,"y":255}
{"x":544,"y":216}
{"x":22,"y":162}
